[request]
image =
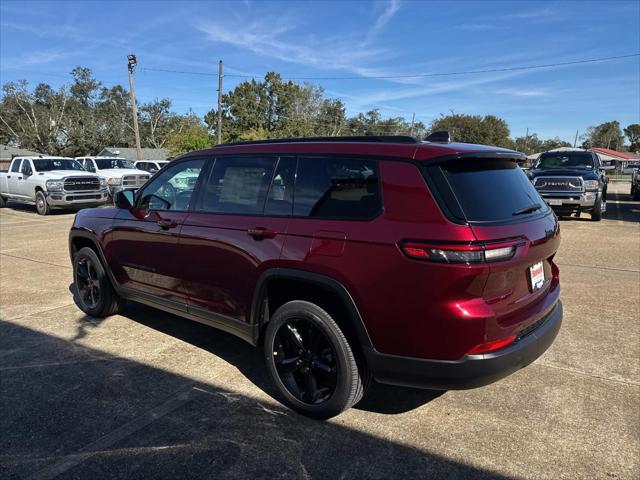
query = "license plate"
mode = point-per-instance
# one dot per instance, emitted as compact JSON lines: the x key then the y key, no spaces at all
{"x":537,"y":275}
{"x":554,"y":201}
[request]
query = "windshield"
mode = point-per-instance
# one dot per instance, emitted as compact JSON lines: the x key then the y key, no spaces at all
{"x":113,"y":163}
{"x":48,"y":164}
{"x":566,"y":160}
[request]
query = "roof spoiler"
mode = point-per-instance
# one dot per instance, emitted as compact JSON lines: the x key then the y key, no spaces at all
{"x":441,"y":136}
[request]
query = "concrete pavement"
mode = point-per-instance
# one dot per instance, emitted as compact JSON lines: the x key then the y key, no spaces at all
{"x":150,"y":395}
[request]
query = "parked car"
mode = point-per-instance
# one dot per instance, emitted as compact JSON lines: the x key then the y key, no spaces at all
{"x":635,"y":184}
{"x":119,"y":173}
{"x":185,"y":181}
{"x":571,"y":182}
{"x":51,"y":182}
{"x":347,"y":259}
{"x":151,"y":166}
{"x":630,"y":168}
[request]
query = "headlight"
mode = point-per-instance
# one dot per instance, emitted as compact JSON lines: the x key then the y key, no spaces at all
{"x":103,"y":182}
{"x":591,"y":184}
{"x":114,"y":181}
{"x":55,"y":184}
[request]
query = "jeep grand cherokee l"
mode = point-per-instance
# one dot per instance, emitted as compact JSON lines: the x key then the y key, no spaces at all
{"x":347,"y":259}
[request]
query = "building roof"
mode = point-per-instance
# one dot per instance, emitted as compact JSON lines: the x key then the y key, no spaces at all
{"x":614,"y":154}
{"x":130,"y":153}
{"x":7,"y":152}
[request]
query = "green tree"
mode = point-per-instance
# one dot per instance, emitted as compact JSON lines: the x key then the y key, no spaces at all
{"x":633,"y":134}
{"x":487,"y":130}
{"x":188,"y":138}
{"x":605,"y":135}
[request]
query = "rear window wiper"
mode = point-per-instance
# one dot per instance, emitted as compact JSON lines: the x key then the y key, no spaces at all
{"x":529,"y":209}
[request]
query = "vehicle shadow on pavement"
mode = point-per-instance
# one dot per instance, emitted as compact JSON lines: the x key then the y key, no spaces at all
{"x":385,"y":399}
{"x":73,"y":412}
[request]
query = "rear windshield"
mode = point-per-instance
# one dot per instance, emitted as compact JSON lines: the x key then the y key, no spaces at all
{"x":488,"y":190}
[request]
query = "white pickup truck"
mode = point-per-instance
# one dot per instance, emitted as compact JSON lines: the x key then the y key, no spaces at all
{"x":50,"y":182}
{"x":119,"y":173}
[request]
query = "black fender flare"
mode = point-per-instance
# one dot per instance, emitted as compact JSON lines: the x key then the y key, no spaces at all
{"x":89,"y":235}
{"x":328,"y":283}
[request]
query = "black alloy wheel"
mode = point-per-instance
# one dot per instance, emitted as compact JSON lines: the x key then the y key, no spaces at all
{"x":310,"y":361}
{"x":87,"y":283}
{"x":305,"y":361}
{"x":94,"y":293}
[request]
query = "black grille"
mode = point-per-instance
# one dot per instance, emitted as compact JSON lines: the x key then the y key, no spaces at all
{"x":558,"y":184}
{"x":74,"y":184}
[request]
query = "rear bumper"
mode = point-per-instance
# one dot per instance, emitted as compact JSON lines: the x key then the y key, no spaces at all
{"x":472,"y":370}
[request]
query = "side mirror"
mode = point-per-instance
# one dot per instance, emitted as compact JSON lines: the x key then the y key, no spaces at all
{"x":124,"y":199}
{"x":607,"y":167}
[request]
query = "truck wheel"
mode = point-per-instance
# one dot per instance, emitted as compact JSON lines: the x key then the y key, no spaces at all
{"x":42,"y":207}
{"x":3,"y":202}
{"x":94,"y":293}
{"x":596,"y":213}
{"x":635,"y":193}
{"x":311,"y":362}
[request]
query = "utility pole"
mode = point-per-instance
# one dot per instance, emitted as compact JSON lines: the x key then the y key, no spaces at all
{"x":219,"y":129}
{"x":575,"y":142}
{"x":134,"y":107}
{"x":526,"y":140}
{"x":413,"y":121}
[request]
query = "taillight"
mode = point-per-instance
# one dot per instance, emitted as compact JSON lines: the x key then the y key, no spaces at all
{"x":491,"y":346}
{"x":472,"y":252}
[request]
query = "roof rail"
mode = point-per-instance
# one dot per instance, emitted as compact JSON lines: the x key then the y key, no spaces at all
{"x":441,"y":136}
{"x":360,"y":138}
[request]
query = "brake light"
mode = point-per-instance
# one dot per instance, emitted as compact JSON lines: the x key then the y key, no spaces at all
{"x":473,"y":252}
{"x":491,"y":346}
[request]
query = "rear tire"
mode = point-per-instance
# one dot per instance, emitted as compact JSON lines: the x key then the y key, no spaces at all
{"x":42,"y":207}
{"x":596,"y":213}
{"x":311,"y":362}
{"x":3,"y":202}
{"x":94,"y":293}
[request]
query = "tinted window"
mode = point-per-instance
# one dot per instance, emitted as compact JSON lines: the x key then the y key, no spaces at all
{"x":238,"y":185}
{"x":490,"y":190}
{"x":280,"y":196}
{"x":15,"y":167}
{"x":337,"y":188}
{"x":173,"y":189}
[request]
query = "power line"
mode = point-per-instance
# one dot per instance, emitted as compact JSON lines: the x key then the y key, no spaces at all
{"x":416,"y":75}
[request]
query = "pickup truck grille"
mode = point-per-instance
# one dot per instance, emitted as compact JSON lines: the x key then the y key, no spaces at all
{"x":134,"y":180}
{"x":74,"y":184}
{"x":559,"y":184}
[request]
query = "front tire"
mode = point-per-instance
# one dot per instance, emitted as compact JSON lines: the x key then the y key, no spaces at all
{"x":596,"y":213}
{"x":311,"y":362}
{"x":94,"y":293}
{"x":42,"y":207}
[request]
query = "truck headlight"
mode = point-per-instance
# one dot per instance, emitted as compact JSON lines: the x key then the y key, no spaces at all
{"x":591,"y":185}
{"x":54,"y":185}
{"x":114,"y":181}
{"x":103,"y":183}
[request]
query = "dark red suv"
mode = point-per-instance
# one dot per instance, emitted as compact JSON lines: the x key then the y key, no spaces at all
{"x":414,"y":263}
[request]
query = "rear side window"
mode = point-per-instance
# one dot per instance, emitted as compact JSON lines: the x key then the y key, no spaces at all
{"x":340,"y":188}
{"x":486,"y":190}
{"x":238,"y":185}
{"x":16,"y":166}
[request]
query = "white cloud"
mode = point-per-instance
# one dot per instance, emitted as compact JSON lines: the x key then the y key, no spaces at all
{"x":522,"y":93}
{"x":391,"y":9}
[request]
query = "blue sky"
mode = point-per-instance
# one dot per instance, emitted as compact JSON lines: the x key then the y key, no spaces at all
{"x":43,"y":41}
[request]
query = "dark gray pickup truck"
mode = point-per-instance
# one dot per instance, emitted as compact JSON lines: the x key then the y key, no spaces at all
{"x":571,"y":182}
